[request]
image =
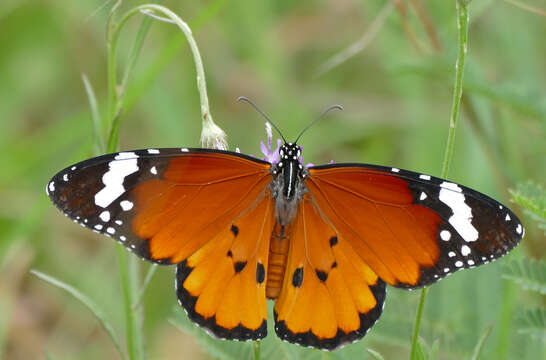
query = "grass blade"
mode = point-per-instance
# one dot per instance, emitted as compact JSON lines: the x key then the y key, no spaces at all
{"x":85,"y":300}
{"x":481,"y":341}
{"x":95,"y":115}
{"x":375,"y":355}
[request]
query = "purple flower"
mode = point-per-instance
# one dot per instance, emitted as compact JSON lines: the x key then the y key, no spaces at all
{"x":270,"y":155}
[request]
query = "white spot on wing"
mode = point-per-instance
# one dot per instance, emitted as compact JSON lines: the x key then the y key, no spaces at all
{"x":507,"y":218}
{"x":51,"y":186}
{"x":98,"y":227}
{"x":519,"y":229}
{"x":424,"y":177}
{"x":395,"y":170}
{"x":451,"y":195}
{"x":126,"y":205}
{"x":423,"y":196}
{"x":470,"y":262}
{"x":459,"y":264}
{"x":73,"y":168}
{"x":105,"y":216}
{"x":184,"y":150}
{"x":110,"y":230}
{"x":65,"y":177}
{"x":122,"y":238}
{"x":445,"y":235}
{"x":124,"y":164}
{"x":119,"y":222}
{"x":153,"y":170}
{"x":153,"y":151}
{"x":451,"y":254}
{"x":465,"y":250}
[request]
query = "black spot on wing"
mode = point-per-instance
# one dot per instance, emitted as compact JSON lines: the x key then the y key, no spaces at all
{"x":239,"y":266}
{"x":297,"y":277}
{"x":322,"y":275}
{"x":187,"y":301}
{"x":260,"y":273}
{"x":234,"y":230}
{"x":333,"y":240}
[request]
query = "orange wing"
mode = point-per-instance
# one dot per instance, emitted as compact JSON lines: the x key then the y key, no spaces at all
{"x":208,"y":210}
{"x":329,"y":296}
{"x":162,"y":204}
{"x":222,"y":285}
{"x":411,"y":229}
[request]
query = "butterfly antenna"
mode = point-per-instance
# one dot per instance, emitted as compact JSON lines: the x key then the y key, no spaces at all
{"x":338,"y":107}
{"x":242,"y":98}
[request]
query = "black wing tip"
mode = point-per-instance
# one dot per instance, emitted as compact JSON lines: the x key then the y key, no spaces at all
{"x":367,"y":320}
{"x":187,"y":301}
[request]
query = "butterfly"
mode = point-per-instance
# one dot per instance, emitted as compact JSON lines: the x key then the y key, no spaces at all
{"x":321,"y":241}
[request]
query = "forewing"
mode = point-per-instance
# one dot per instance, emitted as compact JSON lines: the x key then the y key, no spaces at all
{"x":411,"y":229}
{"x":222,"y":285}
{"x":330,"y":296}
{"x":162,"y":204}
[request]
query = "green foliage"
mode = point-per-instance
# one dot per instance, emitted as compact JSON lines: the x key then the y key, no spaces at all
{"x":481,"y":341}
{"x":90,"y":304}
{"x":397,"y":97}
{"x":532,"y":197}
{"x":425,"y":352}
{"x":530,"y":274}
{"x":532,"y":322}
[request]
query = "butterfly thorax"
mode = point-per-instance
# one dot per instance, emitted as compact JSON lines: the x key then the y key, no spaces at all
{"x":288,"y":185}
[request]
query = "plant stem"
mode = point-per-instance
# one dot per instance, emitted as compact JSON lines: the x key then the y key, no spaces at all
{"x":462,"y":26}
{"x":256,"y":350}
{"x":128,"y":266}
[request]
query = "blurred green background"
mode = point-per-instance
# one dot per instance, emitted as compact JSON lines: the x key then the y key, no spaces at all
{"x":397,"y":98}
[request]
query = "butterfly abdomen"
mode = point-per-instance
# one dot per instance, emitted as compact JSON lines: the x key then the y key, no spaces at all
{"x":278,"y":252}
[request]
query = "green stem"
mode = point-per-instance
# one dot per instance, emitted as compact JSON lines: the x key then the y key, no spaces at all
{"x":130,"y":321}
{"x":256,"y":350}
{"x":462,"y":26}
{"x":211,"y":134}
{"x":145,"y":283}
{"x":128,"y":267}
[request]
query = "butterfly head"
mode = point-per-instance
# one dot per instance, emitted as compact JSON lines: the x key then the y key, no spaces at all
{"x":289,"y":152}
{"x":289,"y":160}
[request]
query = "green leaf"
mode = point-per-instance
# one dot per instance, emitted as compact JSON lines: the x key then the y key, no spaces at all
{"x":85,"y":300}
{"x":530,"y":274}
{"x":421,"y":350}
{"x":532,"y":197}
{"x":479,"y":345}
{"x":375,"y":355}
{"x":95,"y":116}
{"x":533,"y":322}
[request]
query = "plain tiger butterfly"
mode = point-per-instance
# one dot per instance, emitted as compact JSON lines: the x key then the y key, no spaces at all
{"x":321,"y":241}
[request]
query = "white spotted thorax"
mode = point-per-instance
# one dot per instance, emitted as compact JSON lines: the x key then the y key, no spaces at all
{"x":288,"y":184}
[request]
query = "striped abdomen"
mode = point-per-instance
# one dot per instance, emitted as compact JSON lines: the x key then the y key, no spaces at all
{"x":278,"y":253}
